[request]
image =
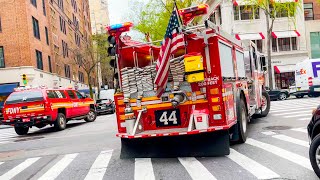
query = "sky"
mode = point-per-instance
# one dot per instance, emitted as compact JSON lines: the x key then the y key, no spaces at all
{"x":118,"y":13}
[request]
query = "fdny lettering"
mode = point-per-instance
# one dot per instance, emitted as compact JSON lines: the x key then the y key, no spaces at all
{"x":209,"y":81}
{"x":14,"y":110}
{"x":75,"y":104}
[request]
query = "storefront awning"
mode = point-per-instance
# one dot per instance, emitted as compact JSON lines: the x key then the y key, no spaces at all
{"x":6,"y":89}
{"x":250,"y":36}
{"x":284,"y":34}
{"x":284,"y":69}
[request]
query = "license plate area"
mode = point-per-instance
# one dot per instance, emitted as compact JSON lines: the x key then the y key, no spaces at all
{"x":167,"y":118}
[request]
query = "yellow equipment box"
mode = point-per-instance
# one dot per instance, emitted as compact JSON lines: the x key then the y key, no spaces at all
{"x":193,"y":63}
{"x":196,"y":77}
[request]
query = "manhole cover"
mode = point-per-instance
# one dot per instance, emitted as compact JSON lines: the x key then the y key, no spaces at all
{"x":277,"y":127}
{"x":28,"y":139}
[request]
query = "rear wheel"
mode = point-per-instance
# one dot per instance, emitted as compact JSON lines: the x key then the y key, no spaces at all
{"x":61,"y":122}
{"x":314,"y":154}
{"x":92,"y":115}
{"x":242,"y":120}
{"x":265,"y":108}
{"x":21,"y":130}
{"x":282,"y":96}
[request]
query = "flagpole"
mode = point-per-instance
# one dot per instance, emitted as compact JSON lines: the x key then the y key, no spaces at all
{"x":175,"y":4}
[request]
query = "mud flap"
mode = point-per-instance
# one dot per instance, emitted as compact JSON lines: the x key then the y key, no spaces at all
{"x":198,"y":145}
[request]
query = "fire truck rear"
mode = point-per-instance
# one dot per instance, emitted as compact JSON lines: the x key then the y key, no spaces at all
{"x":216,"y":85}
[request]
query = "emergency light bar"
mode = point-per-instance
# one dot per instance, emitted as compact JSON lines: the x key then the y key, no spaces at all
{"x":189,"y":13}
{"x":113,"y":29}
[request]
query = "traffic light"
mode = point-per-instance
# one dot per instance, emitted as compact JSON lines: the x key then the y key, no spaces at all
{"x":112,"y":49}
{"x":24,"y":79}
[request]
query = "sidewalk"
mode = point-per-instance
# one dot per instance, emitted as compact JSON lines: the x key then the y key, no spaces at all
{"x":5,"y":126}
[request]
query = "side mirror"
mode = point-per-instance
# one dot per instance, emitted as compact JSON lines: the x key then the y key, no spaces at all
{"x":263,"y":63}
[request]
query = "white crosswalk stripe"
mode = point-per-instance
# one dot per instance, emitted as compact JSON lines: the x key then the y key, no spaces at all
{"x":16,"y":170}
{"x":304,"y":130}
{"x":282,"y":153}
{"x":195,"y":169}
{"x":99,"y":166}
{"x":252,"y":166}
{"x":54,"y":171}
{"x":143,"y":169}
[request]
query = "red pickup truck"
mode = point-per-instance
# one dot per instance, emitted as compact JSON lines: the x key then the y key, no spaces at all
{"x":25,"y":108}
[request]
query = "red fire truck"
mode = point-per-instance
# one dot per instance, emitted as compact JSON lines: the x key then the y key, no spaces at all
{"x":216,"y":85}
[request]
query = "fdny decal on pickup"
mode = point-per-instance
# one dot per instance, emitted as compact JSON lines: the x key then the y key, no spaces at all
{"x":14,"y":110}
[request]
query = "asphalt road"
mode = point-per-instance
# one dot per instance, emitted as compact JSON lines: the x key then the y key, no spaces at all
{"x":277,"y":148}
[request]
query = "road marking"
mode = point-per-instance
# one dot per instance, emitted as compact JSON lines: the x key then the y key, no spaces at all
{"x":55,"y":170}
{"x":143,"y":169}
{"x":295,"y":158}
{"x":304,"y":130}
{"x":258,"y":170}
{"x":297,"y":115}
{"x":19,"y":168}
{"x":288,"y":109}
{"x":195,"y":169}
{"x":269,"y":133}
{"x":99,"y":166}
{"x":291,"y":140}
{"x":296,"y":112}
{"x":305,"y":119}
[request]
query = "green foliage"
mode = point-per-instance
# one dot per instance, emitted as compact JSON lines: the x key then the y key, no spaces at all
{"x":154,"y":16}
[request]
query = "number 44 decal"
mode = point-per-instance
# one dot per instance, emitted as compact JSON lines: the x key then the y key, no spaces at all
{"x":164,"y":118}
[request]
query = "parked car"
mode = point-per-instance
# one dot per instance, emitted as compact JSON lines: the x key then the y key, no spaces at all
{"x":105,"y":106}
{"x":314,"y":138}
{"x":39,"y":107}
{"x":278,"y":94}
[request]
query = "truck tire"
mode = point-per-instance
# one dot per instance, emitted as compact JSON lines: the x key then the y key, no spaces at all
{"x":21,"y":130}
{"x":61,"y":122}
{"x":91,"y":116}
{"x":242,"y":121}
{"x":265,"y":108}
{"x":314,"y":151}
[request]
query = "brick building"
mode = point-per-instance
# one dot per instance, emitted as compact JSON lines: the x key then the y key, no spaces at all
{"x":39,"y":37}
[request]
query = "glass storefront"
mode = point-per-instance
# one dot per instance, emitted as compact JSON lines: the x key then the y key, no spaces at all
{"x":284,"y":80}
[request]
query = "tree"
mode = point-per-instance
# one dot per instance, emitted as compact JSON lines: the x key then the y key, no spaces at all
{"x":273,"y":9}
{"x":92,"y":56}
{"x":154,"y":16}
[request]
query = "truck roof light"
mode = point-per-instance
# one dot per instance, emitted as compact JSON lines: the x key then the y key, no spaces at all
{"x":189,"y":13}
{"x":123,"y":27}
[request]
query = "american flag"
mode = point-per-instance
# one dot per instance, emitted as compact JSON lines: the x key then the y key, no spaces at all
{"x":173,"y":40}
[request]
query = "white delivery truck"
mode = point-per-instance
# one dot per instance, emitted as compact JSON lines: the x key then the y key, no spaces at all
{"x":307,"y":79}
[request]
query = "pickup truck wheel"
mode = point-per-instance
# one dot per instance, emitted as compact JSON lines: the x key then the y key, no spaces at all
{"x":314,"y":154}
{"x":92,"y":115}
{"x":61,"y":122}
{"x":21,"y":130}
{"x":242,"y":120}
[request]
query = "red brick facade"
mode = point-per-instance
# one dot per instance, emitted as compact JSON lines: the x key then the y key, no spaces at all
{"x":316,"y":8}
{"x":20,"y":45}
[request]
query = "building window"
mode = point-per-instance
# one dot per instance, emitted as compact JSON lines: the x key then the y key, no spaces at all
{"x":81,"y":77}
{"x":36,"y":31}
{"x":258,"y":42}
{"x":34,"y":2}
{"x":62,"y":25}
{"x":67,"y":71}
{"x":65,"y":49}
{"x":284,"y":44}
{"x":284,"y":80}
{"x":315,"y":44}
{"x":308,"y":11}
{"x":283,"y":12}
{"x":0,"y":25}
{"x":39,"y":60}
{"x":2,"y":64}
{"x":49,"y":63}
{"x":60,"y":4}
{"x":245,"y":13}
{"x":77,"y":39}
{"x":74,"y":5}
{"x":44,"y":7}
{"x":47,"y":35}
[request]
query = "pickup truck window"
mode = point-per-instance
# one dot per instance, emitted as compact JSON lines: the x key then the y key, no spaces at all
{"x":26,"y":96}
{"x":71,"y":94}
{"x":56,"y":94}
